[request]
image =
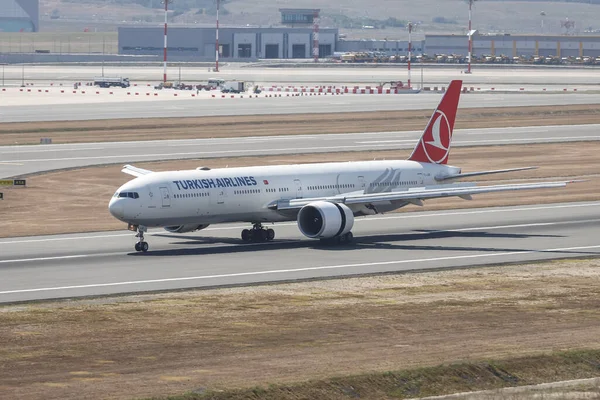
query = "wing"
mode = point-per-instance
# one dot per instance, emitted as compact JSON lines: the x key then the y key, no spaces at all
{"x":479,"y":173}
{"x":135,"y":171}
{"x":416,"y":195}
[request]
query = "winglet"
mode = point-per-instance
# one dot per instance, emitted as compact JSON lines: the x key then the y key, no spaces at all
{"x":135,"y":171}
{"x":434,"y":145}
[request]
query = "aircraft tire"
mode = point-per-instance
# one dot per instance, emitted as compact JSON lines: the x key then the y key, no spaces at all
{"x":246,"y":235}
{"x":138,"y":247}
{"x":262,"y":235}
{"x":144,"y":246}
{"x":270,"y":234}
{"x":349,"y":237}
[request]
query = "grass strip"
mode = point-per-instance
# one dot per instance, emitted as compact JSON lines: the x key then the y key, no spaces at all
{"x":429,"y":381}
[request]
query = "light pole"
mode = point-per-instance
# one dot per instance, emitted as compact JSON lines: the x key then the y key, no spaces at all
{"x":217,"y":40}
{"x":166,"y":3}
{"x":543,"y":14}
{"x":103,"y":47}
{"x":410,"y":27}
{"x":316,"y":35}
{"x":470,"y":34}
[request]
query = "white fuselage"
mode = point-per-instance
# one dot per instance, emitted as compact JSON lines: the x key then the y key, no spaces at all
{"x":243,"y":194}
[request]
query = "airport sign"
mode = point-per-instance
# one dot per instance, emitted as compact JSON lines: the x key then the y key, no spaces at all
{"x":13,"y":182}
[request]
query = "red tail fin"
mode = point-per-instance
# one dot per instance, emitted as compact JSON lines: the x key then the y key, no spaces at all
{"x":434,"y":145}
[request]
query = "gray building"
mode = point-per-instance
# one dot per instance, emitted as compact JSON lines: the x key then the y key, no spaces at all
{"x":20,"y":16}
{"x":515,"y":45}
{"x":235,"y":44}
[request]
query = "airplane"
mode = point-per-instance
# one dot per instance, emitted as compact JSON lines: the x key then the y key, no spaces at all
{"x":323,"y":198}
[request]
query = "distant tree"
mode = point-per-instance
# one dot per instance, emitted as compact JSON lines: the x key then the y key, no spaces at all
{"x":443,"y":20}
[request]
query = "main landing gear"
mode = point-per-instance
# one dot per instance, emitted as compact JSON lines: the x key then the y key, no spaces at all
{"x":258,"y":234}
{"x":141,"y":245}
{"x":343,"y":239}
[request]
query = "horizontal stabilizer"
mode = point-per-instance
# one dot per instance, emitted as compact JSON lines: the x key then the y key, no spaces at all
{"x":135,"y":171}
{"x":479,"y":173}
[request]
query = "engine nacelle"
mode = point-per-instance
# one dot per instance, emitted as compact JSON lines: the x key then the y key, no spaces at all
{"x":323,"y":219}
{"x":185,"y":228}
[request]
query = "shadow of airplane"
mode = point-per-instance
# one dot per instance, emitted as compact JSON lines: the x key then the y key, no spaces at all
{"x":385,"y":241}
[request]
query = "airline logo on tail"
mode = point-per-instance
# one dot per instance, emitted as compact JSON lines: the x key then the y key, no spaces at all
{"x":437,"y":139}
{"x":434,"y":145}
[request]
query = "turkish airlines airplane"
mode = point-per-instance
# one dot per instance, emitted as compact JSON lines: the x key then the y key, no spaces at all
{"x":323,"y":198}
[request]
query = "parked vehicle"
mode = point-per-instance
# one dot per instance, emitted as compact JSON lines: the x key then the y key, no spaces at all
{"x":234,"y":87}
{"x":105,"y":81}
{"x":164,"y":85}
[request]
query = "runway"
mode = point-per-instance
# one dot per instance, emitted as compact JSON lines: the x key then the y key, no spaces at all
{"x":45,"y":108}
{"x":21,"y":160}
{"x":104,"y":263}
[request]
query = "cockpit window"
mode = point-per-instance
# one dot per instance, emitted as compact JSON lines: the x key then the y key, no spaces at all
{"x":131,"y":195}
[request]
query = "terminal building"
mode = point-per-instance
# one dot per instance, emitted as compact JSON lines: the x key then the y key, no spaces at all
{"x":20,"y":16}
{"x":298,"y":37}
{"x":235,"y":44}
{"x":515,"y":45}
{"x":247,"y":44}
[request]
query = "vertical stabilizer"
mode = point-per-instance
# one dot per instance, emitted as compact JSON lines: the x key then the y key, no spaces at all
{"x":434,"y":145}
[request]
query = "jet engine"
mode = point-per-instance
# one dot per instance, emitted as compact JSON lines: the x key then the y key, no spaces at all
{"x":185,"y":228}
{"x":325,"y":220}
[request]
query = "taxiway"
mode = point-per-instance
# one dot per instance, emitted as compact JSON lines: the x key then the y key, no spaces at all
{"x":48,"y":108}
{"x":22,"y":160}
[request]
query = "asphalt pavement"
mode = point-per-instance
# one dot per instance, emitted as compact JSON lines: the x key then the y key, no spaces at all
{"x":104,"y":262}
{"x":41,"y":108}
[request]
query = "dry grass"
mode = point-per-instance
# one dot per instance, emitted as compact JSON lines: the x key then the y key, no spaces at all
{"x":150,"y":345}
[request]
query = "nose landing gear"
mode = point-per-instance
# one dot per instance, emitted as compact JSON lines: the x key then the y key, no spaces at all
{"x":140,"y":245}
{"x":258,"y":234}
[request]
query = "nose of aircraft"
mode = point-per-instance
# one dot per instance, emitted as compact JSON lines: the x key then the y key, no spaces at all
{"x":116,"y":208}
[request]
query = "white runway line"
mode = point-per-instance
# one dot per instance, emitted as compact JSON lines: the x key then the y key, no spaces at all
{"x":287,"y":271}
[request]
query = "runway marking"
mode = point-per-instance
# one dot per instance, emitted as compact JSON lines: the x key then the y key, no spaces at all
{"x":372,"y":144}
{"x":52,"y":258}
{"x":490,"y":228}
{"x":196,"y":153}
{"x":285,"y":271}
{"x":9,"y":163}
{"x":367,"y":219}
{"x":33,"y":150}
